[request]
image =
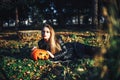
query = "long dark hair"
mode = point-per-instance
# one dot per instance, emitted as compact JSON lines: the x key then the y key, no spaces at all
{"x":53,"y":43}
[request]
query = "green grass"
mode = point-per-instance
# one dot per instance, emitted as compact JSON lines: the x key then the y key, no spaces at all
{"x":16,"y":63}
{"x":16,"y":69}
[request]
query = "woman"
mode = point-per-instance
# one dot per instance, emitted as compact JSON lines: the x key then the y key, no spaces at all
{"x":62,"y":51}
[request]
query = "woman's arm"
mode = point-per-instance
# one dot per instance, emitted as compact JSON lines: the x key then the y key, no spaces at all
{"x":66,"y":52}
{"x":51,"y":55}
{"x":61,"y":54}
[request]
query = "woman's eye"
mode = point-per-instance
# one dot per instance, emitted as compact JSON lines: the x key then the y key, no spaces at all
{"x":47,"y":32}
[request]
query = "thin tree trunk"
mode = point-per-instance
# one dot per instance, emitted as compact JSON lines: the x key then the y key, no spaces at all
{"x":95,"y":13}
{"x":1,"y":25}
{"x":78,"y":16}
{"x":17,"y":19}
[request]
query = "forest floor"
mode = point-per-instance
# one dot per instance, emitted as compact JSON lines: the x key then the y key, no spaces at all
{"x":16,"y":63}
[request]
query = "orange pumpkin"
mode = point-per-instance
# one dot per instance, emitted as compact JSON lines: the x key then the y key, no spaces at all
{"x":39,"y":54}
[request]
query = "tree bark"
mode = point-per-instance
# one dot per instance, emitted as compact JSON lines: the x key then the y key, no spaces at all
{"x":17,"y":19}
{"x":1,"y":25}
{"x":95,"y":13}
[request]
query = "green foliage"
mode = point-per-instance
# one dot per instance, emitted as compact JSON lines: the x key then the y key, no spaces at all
{"x":112,"y":61}
{"x":112,"y":56}
{"x":28,"y":69}
{"x":21,"y":68}
{"x":16,"y":63}
{"x":72,"y":70}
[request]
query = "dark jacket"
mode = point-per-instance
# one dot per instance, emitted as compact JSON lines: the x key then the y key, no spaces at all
{"x":65,"y":53}
{"x":71,"y":50}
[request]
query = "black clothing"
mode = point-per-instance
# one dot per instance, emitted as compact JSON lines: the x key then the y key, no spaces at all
{"x":71,"y":50}
{"x":43,"y":45}
{"x":65,"y":53}
{"x":82,"y":50}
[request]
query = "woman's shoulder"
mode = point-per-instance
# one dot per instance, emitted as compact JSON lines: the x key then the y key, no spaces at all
{"x":40,"y":41}
{"x":59,"y":39}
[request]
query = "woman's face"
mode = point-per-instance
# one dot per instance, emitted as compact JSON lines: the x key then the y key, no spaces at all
{"x":46,"y":33}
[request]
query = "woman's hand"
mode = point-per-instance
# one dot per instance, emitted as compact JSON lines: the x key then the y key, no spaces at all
{"x":51,"y":55}
{"x":33,"y":48}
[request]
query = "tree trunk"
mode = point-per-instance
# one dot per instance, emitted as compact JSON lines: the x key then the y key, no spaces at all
{"x":1,"y":25}
{"x":17,"y":19}
{"x":78,"y":16}
{"x":95,"y":13}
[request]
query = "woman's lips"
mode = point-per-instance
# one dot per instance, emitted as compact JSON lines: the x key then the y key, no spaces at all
{"x":44,"y":36}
